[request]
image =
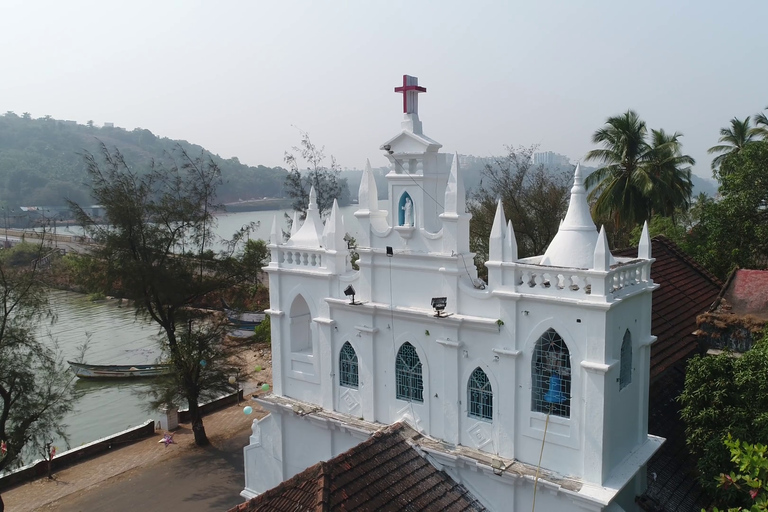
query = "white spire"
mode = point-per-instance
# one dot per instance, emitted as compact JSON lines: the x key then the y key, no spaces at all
{"x":333,"y":233}
{"x":368,"y":194}
{"x":274,"y":234}
{"x":574,"y":243}
{"x":295,"y":224}
{"x":644,"y":247}
{"x":455,"y":195}
{"x":602,"y":256}
{"x":310,"y":234}
{"x":496,"y":241}
{"x":510,"y":244}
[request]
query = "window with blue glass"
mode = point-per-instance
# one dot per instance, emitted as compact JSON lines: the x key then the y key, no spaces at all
{"x":551,"y":375}
{"x":625,"y":373}
{"x":479,"y":396}
{"x":409,"y":383}
{"x":348,"y":376}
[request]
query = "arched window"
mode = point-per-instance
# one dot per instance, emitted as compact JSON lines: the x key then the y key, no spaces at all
{"x":625,"y":373}
{"x":551,"y":373}
{"x":409,"y":383}
{"x":348,"y":366}
{"x":301,"y":335}
{"x":479,"y":396}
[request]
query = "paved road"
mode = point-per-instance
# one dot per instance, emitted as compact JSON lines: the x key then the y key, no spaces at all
{"x":201,"y":480}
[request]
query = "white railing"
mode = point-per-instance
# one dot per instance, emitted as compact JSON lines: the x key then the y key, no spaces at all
{"x":300,"y":258}
{"x":539,"y":280}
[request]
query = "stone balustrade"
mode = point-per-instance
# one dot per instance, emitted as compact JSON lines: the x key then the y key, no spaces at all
{"x":562,"y":282}
{"x":300,"y":258}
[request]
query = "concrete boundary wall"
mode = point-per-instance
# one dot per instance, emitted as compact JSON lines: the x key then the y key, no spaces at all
{"x":40,"y":467}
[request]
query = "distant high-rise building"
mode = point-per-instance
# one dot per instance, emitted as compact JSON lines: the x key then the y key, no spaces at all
{"x":550,"y":158}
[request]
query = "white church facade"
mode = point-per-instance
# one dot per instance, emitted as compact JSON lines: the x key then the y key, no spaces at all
{"x":532,"y":386}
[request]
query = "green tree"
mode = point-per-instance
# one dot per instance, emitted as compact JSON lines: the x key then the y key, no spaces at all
{"x":636,"y":178}
{"x":534,"y":200}
{"x":35,"y":385}
{"x":724,"y":395}
{"x":761,"y":125}
{"x":732,"y":140}
{"x":325,"y":178}
{"x":156,"y":246}
{"x":752,"y":480}
{"x":670,"y":174}
{"x":618,"y":187}
{"x":734,"y":230}
{"x":255,"y":257}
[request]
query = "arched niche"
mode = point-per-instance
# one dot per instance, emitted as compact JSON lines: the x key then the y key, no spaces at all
{"x":406,"y":211}
{"x":300,"y":332}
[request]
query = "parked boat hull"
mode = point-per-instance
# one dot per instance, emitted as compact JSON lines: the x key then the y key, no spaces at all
{"x":114,"y":371}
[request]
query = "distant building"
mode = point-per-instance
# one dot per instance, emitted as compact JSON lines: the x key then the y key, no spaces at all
{"x":549,"y":158}
{"x":109,"y":125}
{"x":68,"y":121}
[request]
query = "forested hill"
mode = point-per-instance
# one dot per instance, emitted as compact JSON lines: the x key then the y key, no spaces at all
{"x":41,"y":161}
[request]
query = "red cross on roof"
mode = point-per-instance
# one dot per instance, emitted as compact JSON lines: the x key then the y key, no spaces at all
{"x":410,"y":90}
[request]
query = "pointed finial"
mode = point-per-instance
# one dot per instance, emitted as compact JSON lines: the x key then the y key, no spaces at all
{"x":577,"y":179}
{"x":455,"y":196}
{"x":602,"y":259}
{"x":274,"y":234}
{"x":496,"y":241}
{"x":295,"y":223}
{"x":312,"y":199}
{"x":368,"y":194}
{"x":330,"y":229}
{"x":644,"y":247}
{"x":510,"y":243}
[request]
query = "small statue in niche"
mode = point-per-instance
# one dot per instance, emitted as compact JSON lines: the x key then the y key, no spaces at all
{"x":408,"y":209}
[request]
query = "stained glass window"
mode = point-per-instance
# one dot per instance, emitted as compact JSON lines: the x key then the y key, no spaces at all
{"x":409,"y":385}
{"x":479,"y":396}
{"x":625,"y":373}
{"x":348,"y":366}
{"x":551,"y":373}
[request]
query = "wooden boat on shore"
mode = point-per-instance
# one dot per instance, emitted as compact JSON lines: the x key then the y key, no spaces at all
{"x":244,"y":319}
{"x":118,"y":371}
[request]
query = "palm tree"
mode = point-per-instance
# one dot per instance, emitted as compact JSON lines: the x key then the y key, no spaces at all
{"x":671,"y":184}
{"x":619,"y":187}
{"x":761,"y":125}
{"x":733,"y":139}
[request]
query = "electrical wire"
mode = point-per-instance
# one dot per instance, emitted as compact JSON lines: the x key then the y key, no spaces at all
{"x":541,"y":453}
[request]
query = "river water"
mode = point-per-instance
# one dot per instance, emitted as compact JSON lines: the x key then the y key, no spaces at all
{"x":117,"y":337}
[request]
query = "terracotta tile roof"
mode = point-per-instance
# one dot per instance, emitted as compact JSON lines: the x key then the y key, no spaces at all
{"x":383,"y":473}
{"x":686,"y":290}
{"x":672,"y":484}
{"x":746,"y":293}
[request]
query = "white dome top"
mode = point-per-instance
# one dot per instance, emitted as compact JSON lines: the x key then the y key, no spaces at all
{"x":575,"y":241}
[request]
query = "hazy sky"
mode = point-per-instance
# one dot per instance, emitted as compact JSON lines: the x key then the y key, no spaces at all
{"x":239,"y":77}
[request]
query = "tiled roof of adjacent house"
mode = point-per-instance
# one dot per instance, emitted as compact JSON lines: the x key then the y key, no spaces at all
{"x":686,"y":291}
{"x":383,"y":473}
{"x":672,"y":483}
{"x":746,"y":293}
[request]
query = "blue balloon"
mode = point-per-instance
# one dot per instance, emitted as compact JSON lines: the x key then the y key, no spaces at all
{"x":203,"y":363}
{"x":247,"y":409}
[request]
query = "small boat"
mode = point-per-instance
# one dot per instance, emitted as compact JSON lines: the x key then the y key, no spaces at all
{"x":244,"y":319}
{"x":119,"y":371}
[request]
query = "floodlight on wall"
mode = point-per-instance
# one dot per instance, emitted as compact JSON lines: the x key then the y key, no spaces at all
{"x":349,"y":291}
{"x":439,"y":304}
